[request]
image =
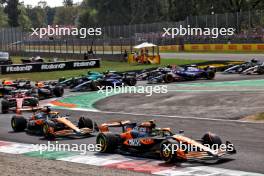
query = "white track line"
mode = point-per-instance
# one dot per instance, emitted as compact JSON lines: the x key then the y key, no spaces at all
{"x":153,"y":115}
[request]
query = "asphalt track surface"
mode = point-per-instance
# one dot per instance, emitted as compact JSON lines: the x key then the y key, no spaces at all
{"x":247,"y":137}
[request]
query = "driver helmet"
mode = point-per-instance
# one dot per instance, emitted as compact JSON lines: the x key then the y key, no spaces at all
{"x":148,"y":125}
{"x":46,"y":110}
{"x":40,"y":84}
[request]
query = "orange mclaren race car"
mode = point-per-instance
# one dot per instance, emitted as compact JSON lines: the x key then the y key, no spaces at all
{"x":51,"y":124}
{"x":146,"y":139}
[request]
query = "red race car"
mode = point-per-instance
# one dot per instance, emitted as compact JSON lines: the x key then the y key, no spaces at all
{"x":18,"y":101}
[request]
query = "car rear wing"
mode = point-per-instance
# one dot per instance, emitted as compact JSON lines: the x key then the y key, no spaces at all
{"x":105,"y":126}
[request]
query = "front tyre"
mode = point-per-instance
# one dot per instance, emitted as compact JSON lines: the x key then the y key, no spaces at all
{"x":211,"y":140}
{"x":168,"y":78}
{"x":210,"y":75}
{"x":18,"y":123}
{"x":95,"y":85}
{"x":48,"y":129}
{"x":167,"y":152}
{"x":130,"y":81}
{"x":85,"y":122}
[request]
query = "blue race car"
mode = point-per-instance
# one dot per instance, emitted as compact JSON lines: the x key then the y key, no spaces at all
{"x":169,"y":74}
{"x":193,"y":73}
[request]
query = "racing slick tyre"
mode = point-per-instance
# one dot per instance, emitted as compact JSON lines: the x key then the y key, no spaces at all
{"x":18,"y":123}
{"x":130,"y":81}
{"x":211,"y":140}
{"x":58,"y":91}
{"x":95,"y":85}
{"x":5,"y":106}
{"x":108,"y":142}
{"x":168,"y":78}
{"x":210,"y":75}
{"x":167,"y":152}
{"x":85,"y":122}
{"x":48,"y":129}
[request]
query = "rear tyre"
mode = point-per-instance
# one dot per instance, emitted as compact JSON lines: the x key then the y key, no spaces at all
{"x":211,"y":140}
{"x":108,"y":142}
{"x":58,"y":91}
{"x":85,"y":122}
{"x":18,"y":123}
{"x":5,"y":106}
{"x":48,"y":129}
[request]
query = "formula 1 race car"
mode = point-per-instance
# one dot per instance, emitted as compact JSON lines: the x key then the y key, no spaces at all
{"x":36,"y":59}
{"x":18,"y":101}
{"x":41,"y":90}
{"x":8,"y":86}
{"x":242,"y":67}
{"x":44,"y":91}
{"x":74,"y":81}
{"x":110,"y":78}
{"x":51,"y":124}
{"x":255,"y":70}
{"x":6,"y":90}
{"x":18,"y":84}
{"x":193,"y":73}
{"x":146,"y":139}
{"x":187,"y":73}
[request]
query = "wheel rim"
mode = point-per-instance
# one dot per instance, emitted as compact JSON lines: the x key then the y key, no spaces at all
{"x":102,"y":143}
{"x":166,"y":153}
{"x":13,"y":123}
{"x":45,"y":129}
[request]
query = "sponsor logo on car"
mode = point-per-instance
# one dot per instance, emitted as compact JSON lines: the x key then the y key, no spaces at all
{"x":134,"y":142}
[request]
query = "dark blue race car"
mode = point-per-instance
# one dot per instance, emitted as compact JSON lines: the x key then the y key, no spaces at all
{"x":186,"y":73}
{"x":193,"y":73}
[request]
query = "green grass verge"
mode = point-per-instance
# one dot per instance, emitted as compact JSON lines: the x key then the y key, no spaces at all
{"x":260,"y":116}
{"x":105,"y":65}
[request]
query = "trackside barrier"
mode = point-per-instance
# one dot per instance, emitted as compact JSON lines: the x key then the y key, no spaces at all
{"x":50,"y":66}
{"x":224,"y":47}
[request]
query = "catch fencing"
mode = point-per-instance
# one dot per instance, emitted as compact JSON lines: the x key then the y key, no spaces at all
{"x":116,"y":39}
